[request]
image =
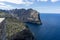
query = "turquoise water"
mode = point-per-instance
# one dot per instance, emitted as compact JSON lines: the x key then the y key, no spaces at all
{"x":50,"y":28}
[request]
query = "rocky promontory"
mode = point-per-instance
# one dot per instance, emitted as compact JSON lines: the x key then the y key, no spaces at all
{"x":29,"y":15}
{"x":15,"y":20}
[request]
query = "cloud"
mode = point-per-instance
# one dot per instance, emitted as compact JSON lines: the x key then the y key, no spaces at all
{"x":55,"y":0}
{"x":17,"y":1}
{"x":48,"y":0}
{"x":43,"y":0}
{"x":13,"y":1}
{"x":4,"y":6}
{"x":7,"y":7}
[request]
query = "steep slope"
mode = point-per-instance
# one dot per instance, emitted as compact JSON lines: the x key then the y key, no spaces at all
{"x":16,"y":30}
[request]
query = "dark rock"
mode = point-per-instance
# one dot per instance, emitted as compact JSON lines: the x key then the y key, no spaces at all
{"x":23,"y":35}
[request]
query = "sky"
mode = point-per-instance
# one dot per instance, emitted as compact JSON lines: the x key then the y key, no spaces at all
{"x":42,"y":6}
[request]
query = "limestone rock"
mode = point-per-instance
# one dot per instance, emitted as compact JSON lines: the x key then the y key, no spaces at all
{"x":29,"y":15}
{"x":33,"y":16}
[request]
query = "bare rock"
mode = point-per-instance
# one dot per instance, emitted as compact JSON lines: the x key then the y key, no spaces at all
{"x":29,"y":15}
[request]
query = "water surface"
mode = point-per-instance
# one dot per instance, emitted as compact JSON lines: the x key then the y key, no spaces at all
{"x":50,"y":28}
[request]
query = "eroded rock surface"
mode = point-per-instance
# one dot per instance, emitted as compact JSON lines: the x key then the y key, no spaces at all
{"x":28,"y":15}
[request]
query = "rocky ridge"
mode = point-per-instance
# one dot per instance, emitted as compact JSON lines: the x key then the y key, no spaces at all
{"x":16,"y":29}
{"x":29,"y":15}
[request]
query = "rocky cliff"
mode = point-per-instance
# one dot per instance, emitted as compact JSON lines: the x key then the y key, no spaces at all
{"x":33,"y":16}
{"x":16,"y":30}
{"x":15,"y":27}
{"x":29,"y":15}
{"x":24,"y":15}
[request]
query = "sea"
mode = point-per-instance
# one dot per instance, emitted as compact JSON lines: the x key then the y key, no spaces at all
{"x":50,"y":28}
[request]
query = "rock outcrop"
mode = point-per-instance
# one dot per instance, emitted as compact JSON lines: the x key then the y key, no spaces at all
{"x":33,"y":16}
{"x":30,"y":15}
{"x":16,"y":30}
{"x":15,"y":27}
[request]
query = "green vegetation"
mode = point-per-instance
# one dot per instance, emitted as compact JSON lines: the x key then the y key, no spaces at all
{"x":13,"y":26}
{"x":2,"y":14}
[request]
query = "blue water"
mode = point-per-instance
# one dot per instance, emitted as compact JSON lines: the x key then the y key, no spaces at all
{"x":50,"y":28}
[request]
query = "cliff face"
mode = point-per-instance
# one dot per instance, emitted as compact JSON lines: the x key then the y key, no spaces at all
{"x":2,"y":28}
{"x":15,"y":27}
{"x":16,"y":30}
{"x":29,"y":15}
{"x":33,"y":16}
{"x":23,"y":35}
